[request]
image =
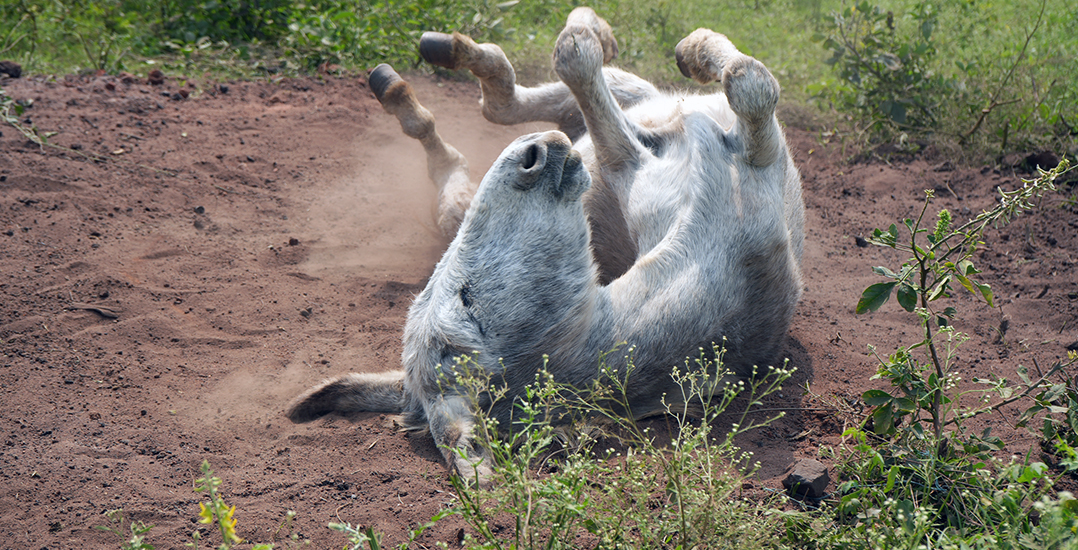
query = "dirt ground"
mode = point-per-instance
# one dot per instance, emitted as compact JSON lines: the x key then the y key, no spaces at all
{"x":243,"y":243}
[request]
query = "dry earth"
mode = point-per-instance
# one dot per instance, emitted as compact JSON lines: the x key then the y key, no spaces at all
{"x":161,"y":308}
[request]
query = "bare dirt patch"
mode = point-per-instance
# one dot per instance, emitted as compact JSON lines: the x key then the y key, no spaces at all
{"x":153,"y":318}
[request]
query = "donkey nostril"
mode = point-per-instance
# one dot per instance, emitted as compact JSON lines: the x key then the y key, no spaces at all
{"x":531,"y":156}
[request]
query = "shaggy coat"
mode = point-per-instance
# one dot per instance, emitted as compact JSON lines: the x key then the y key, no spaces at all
{"x":660,"y":222}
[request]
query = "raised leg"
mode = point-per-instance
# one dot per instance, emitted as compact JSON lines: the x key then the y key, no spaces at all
{"x":504,"y":102}
{"x":707,"y":56}
{"x":447,"y":168}
{"x":578,"y":60}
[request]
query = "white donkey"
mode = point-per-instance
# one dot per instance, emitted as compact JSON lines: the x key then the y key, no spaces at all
{"x":664,"y":221}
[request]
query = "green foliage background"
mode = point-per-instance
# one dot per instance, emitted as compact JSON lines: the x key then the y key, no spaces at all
{"x":939,"y":66}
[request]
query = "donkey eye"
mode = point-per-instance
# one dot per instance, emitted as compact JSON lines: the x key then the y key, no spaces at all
{"x":465,"y":296}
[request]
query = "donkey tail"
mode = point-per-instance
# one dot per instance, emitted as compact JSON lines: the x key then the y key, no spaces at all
{"x":370,"y":392}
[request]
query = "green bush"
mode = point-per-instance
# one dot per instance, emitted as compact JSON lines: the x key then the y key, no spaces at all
{"x":915,"y":475}
{"x":887,"y":67}
{"x":990,"y":78}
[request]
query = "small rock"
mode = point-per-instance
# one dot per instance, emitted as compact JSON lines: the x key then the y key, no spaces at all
{"x":292,"y":241}
{"x":11,"y":68}
{"x":807,"y":478}
{"x":945,"y":166}
{"x":860,"y":241}
{"x":223,"y":88}
{"x":200,"y":210}
{"x":1045,"y":160}
{"x":156,"y":77}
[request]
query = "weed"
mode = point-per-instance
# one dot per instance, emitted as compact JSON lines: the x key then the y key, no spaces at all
{"x":913,"y":480}
{"x":360,"y":537}
{"x":217,"y":512}
{"x":138,"y":531}
{"x":637,"y":491}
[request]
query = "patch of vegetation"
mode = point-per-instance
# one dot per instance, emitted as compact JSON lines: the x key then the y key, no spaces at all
{"x":573,"y":472}
{"x":985,"y":78}
{"x":979,"y":77}
{"x":915,"y":474}
{"x":213,"y":511}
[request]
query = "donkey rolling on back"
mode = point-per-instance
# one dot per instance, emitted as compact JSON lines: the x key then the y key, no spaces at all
{"x":665,"y":221}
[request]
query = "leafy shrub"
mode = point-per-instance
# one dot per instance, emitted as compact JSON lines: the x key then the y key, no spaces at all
{"x":888,"y":74}
{"x":920,"y":476}
{"x":229,"y":20}
{"x":354,"y":33}
{"x":1058,"y":405}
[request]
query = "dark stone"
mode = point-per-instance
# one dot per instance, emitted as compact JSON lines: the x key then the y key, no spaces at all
{"x":807,"y":478}
{"x":11,"y":68}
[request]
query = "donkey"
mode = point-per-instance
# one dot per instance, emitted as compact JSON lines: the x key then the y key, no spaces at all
{"x":664,"y":221}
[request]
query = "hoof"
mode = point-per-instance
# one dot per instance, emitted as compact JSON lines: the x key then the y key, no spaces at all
{"x":437,"y":49}
{"x":381,"y":78}
{"x":681,"y":65}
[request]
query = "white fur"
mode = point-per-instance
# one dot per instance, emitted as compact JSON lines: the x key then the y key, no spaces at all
{"x":674,"y":222}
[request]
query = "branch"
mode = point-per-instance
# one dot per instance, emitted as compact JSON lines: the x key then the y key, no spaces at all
{"x":993,"y":103}
{"x":1029,"y":389}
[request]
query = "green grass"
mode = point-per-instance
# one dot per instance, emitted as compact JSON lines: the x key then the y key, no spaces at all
{"x":980,"y":50}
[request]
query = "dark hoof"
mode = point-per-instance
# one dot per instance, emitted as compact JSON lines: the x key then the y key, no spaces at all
{"x":681,"y":63}
{"x":381,"y":78}
{"x":437,"y":49}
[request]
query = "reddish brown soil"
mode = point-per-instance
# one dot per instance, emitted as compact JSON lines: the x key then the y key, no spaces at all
{"x":279,"y":238}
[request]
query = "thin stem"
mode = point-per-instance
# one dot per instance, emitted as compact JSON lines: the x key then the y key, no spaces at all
{"x":995,"y":95}
{"x":1029,"y":389}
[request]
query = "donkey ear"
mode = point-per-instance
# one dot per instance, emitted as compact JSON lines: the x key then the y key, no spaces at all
{"x":575,"y":179}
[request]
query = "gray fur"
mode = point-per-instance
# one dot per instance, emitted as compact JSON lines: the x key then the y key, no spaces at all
{"x":675,"y":222}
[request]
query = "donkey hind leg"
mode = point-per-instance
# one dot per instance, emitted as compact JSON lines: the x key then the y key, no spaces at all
{"x":446,"y":167}
{"x":707,"y":56}
{"x":371,"y":392}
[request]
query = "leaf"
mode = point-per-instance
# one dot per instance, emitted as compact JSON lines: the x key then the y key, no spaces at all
{"x":907,"y":297}
{"x":986,"y":291}
{"x":940,"y":290}
{"x":905,"y":404}
{"x":885,"y":272}
{"x":874,"y":296}
{"x":883,"y":421}
{"x":897,"y":112}
{"x":1023,"y":373}
{"x":909,"y":224}
{"x":875,"y":398}
{"x":891,"y":475}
